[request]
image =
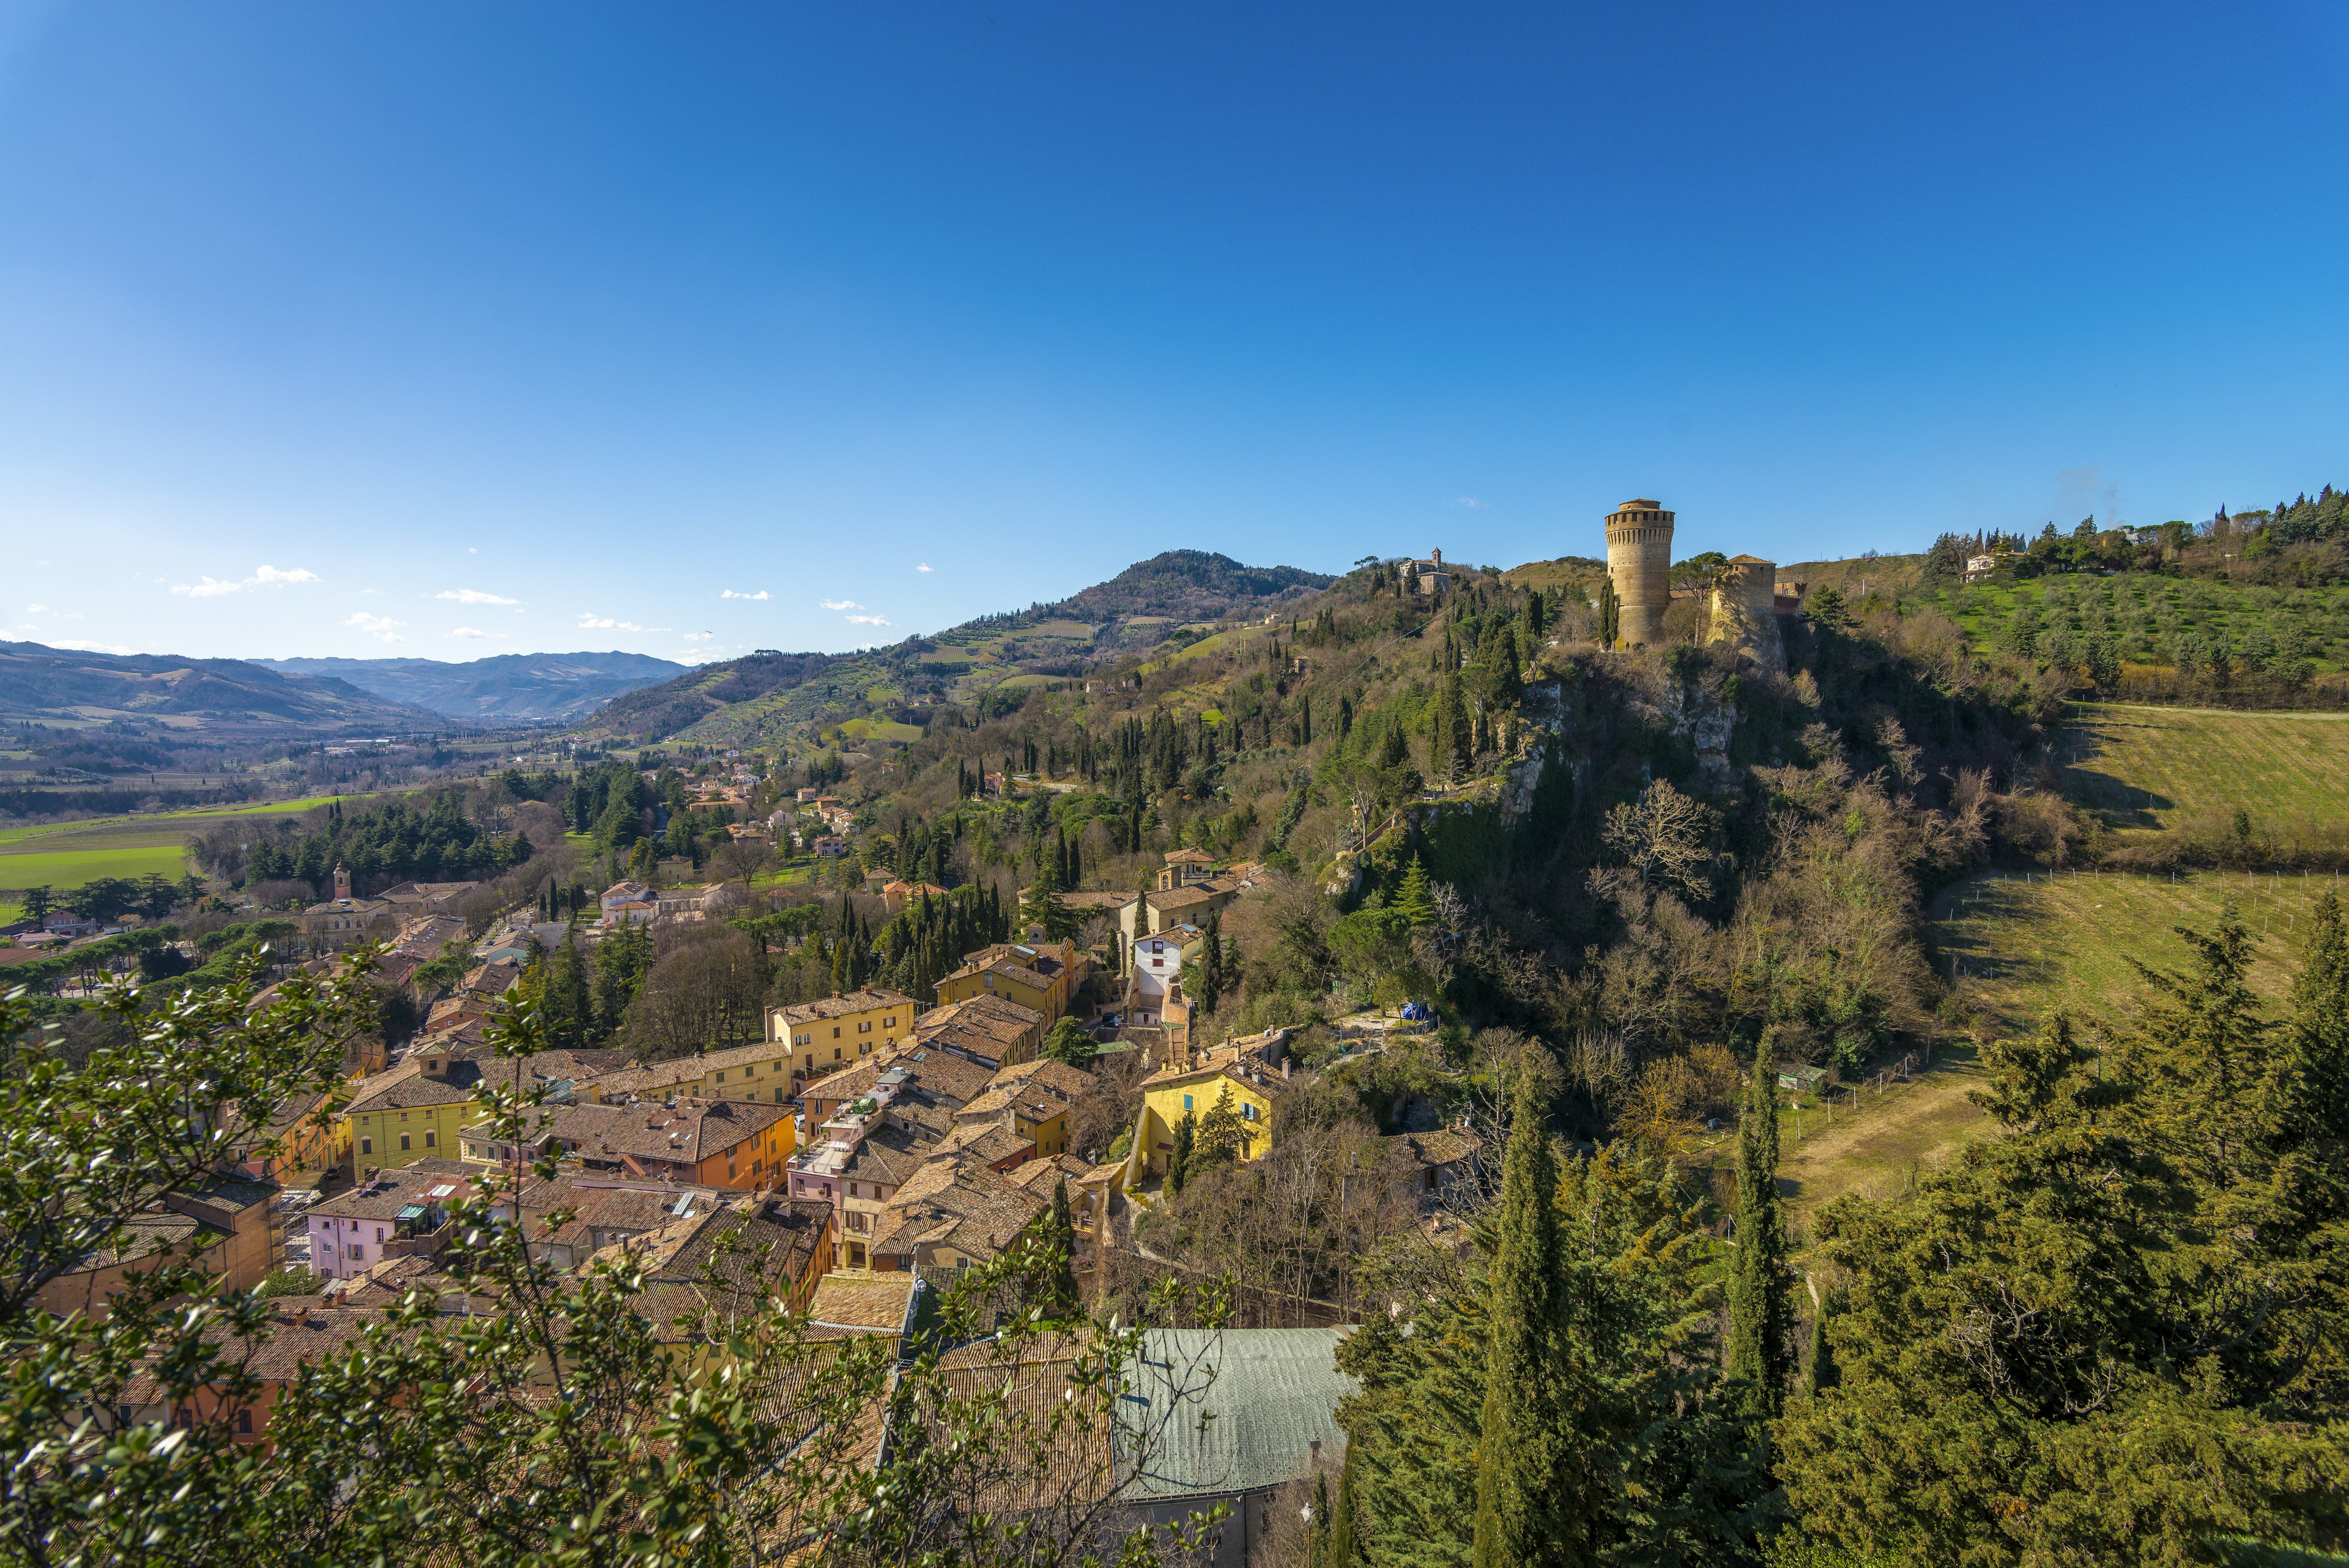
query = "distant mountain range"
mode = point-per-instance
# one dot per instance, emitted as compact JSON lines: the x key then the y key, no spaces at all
{"x":507,"y":689}
{"x":40,"y":682}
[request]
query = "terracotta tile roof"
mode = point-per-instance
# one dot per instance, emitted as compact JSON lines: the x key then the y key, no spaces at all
{"x":574,"y":1122}
{"x":990,"y":1025}
{"x":736,"y":1260}
{"x":1050,"y":1170}
{"x":219,"y":1199}
{"x":889,"y":1156}
{"x":688,"y":1133}
{"x":652,"y":1077}
{"x":1445,"y":1145}
{"x":144,"y":1235}
{"x":988,"y":1143}
{"x":1055,"y":1077}
{"x":945,"y":1077}
{"x":390,"y":1281}
{"x":1241,"y":1060}
{"x":605,"y":1204}
{"x":862,"y":1001}
{"x":921,"y":1114}
{"x":1015,"y":961}
{"x":863,"y":1301}
{"x":957,"y":1201}
{"x":1190,"y":895}
{"x":406,"y":1086}
{"x":429,"y":1181}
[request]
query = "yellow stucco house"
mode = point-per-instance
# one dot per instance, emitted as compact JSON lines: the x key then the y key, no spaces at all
{"x":840,"y":1030}
{"x":1041,"y":975}
{"x":760,"y":1072}
{"x":1252,"y":1071}
{"x":1031,"y":1100}
{"x":419,"y":1107}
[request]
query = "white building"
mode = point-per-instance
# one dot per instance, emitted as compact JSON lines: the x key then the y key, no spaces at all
{"x":1156,"y":963}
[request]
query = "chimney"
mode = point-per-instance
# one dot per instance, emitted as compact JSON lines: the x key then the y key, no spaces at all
{"x":1284,"y":1069}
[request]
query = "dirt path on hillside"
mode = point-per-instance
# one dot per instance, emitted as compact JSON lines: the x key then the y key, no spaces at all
{"x":1911,"y":1126}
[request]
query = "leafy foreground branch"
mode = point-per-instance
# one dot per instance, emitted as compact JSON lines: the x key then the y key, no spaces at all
{"x":558,"y":1418}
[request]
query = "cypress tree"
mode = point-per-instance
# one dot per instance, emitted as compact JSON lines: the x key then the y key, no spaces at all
{"x":1317,"y":1529}
{"x":1064,"y":1298}
{"x":1760,"y":1328}
{"x":1521,"y":1458}
{"x":1821,"y":1373}
{"x":1453,"y":756}
{"x":1186,"y":1131}
{"x":1211,"y":963}
{"x":1610,"y":614}
{"x":2320,"y":1029}
{"x":1345,"y":1549}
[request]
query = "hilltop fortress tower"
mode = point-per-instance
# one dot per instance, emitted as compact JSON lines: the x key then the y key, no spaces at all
{"x":1639,"y":561}
{"x":1744,"y":610}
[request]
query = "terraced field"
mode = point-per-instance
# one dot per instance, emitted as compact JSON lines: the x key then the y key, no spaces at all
{"x":2157,"y":768}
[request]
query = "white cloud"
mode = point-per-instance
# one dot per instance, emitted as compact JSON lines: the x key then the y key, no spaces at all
{"x":36,"y":609}
{"x":92,"y":647}
{"x":699,"y":636}
{"x":267,"y":576}
{"x":590,"y":621}
{"x":839,"y":605}
{"x":923,"y":567}
{"x":731,"y":594}
{"x":1470,"y":503}
{"x":471,"y":634}
{"x":474,"y":597}
{"x":379,"y":627}
{"x":867,"y":620}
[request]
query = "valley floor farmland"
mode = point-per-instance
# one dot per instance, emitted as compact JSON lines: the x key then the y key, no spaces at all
{"x":65,"y":855}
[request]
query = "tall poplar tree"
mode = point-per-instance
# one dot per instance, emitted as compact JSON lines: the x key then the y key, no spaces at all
{"x":1761,"y":1338}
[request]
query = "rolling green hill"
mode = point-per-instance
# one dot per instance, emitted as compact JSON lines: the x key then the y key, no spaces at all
{"x":803,"y":696}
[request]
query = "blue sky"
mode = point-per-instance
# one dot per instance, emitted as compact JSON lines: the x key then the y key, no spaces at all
{"x":322,"y":327}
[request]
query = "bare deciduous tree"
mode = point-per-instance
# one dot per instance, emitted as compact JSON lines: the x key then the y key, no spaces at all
{"x":1661,"y":838}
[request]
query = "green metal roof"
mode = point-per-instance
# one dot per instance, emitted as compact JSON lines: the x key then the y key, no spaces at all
{"x":1268,"y":1394}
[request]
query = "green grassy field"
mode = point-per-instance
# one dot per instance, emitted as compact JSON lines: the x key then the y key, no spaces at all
{"x":882,"y":730}
{"x":64,"y":855}
{"x":2156,"y":768}
{"x":1894,"y":1131}
{"x":2020,"y":948}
